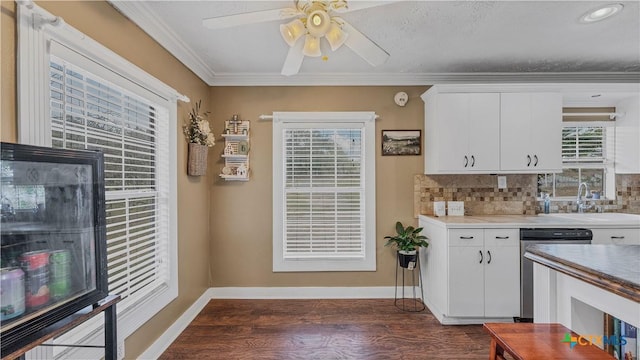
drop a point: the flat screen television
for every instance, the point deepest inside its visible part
(53, 238)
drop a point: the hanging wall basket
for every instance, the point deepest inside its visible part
(197, 159)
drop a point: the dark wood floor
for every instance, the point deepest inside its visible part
(323, 329)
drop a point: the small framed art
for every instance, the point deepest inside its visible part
(401, 142)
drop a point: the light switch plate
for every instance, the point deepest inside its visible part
(502, 182)
(455, 208)
(439, 208)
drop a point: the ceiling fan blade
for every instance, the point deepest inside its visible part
(293, 62)
(365, 47)
(228, 21)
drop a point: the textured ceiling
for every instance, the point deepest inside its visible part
(420, 36)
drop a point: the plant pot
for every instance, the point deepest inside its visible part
(408, 259)
(197, 164)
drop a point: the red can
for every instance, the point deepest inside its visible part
(36, 267)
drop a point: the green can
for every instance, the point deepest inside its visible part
(60, 274)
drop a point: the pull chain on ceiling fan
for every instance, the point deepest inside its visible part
(314, 20)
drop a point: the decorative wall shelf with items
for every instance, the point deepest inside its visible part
(236, 149)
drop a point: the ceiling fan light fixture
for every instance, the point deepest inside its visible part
(601, 13)
(292, 31)
(318, 23)
(311, 46)
(336, 37)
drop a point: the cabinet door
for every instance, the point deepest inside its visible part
(616, 236)
(546, 131)
(453, 131)
(530, 132)
(502, 273)
(484, 132)
(466, 272)
(466, 285)
(467, 130)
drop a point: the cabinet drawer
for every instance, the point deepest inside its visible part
(502, 237)
(466, 237)
(616, 236)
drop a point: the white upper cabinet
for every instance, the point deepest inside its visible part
(531, 132)
(462, 132)
(627, 151)
(487, 132)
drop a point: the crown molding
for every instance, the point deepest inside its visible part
(407, 79)
(143, 16)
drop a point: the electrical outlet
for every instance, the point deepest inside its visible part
(120, 350)
(502, 182)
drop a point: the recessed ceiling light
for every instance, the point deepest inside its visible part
(601, 13)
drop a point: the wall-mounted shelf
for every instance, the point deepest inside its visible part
(236, 150)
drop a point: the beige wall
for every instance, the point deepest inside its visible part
(105, 25)
(241, 212)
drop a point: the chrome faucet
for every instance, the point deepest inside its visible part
(581, 203)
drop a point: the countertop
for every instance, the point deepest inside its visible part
(589, 220)
(615, 268)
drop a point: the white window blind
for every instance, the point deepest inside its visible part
(88, 112)
(583, 144)
(324, 192)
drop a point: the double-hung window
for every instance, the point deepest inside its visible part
(587, 148)
(76, 94)
(324, 191)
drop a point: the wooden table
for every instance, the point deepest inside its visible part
(528, 341)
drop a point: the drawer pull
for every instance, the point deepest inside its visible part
(502, 237)
(617, 237)
(480, 252)
(466, 161)
(489, 254)
(466, 237)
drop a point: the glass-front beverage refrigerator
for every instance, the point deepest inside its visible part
(53, 245)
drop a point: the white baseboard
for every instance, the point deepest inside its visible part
(372, 292)
(169, 336)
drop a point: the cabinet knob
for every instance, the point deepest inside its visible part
(473, 161)
(466, 161)
(466, 237)
(489, 254)
(535, 157)
(617, 237)
(481, 257)
(502, 237)
(528, 160)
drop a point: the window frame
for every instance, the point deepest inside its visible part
(607, 164)
(282, 121)
(36, 33)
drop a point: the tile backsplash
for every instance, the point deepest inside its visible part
(481, 195)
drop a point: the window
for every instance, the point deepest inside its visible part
(585, 159)
(324, 191)
(94, 99)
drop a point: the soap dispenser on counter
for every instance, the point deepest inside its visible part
(547, 203)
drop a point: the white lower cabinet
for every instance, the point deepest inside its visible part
(470, 275)
(484, 273)
(616, 236)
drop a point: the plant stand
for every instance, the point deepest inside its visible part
(405, 277)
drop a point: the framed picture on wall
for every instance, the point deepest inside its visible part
(401, 142)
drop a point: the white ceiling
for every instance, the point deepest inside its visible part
(428, 41)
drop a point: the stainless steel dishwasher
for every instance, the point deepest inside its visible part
(542, 236)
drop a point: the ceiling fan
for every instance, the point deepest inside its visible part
(313, 20)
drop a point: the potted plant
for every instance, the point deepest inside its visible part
(407, 241)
